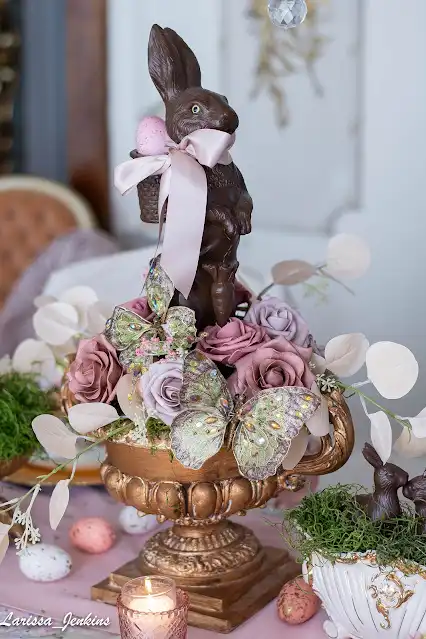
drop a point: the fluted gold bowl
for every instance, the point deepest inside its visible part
(226, 571)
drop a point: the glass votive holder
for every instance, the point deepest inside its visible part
(152, 608)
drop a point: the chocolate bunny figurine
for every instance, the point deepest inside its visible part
(176, 74)
(388, 478)
(415, 491)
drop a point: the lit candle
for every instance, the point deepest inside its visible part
(150, 605)
(148, 601)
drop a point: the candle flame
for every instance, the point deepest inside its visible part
(148, 585)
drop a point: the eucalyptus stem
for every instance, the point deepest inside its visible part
(324, 273)
(112, 433)
(265, 290)
(43, 478)
(388, 412)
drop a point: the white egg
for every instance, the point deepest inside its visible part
(134, 524)
(45, 562)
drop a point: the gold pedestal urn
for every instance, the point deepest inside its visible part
(227, 573)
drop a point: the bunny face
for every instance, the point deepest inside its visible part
(391, 476)
(197, 108)
(175, 71)
(415, 490)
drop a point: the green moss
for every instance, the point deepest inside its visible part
(156, 429)
(334, 523)
(108, 431)
(21, 400)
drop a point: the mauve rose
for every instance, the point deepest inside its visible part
(227, 344)
(140, 307)
(160, 388)
(279, 320)
(94, 374)
(277, 363)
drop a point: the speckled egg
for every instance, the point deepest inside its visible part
(151, 136)
(93, 535)
(134, 523)
(45, 562)
(297, 602)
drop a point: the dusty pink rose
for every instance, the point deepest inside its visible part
(280, 320)
(272, 365)
(229, 343)
(160, 388)
(140, 307)
(94, 374)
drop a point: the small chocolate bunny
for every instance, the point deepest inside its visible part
(388, 478)
(415, 490)
(176, 74)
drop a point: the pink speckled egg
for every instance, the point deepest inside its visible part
(151, 136)
(93, 535)
(297, 602)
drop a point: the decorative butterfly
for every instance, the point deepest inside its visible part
(263, 427)
(159, 288)
(128, 333)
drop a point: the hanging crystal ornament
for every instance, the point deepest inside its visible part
(287, 13)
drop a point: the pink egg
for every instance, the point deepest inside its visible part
(151, 136)
(92, 534)
(297, 602)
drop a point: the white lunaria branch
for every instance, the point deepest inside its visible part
(392, 369)
(86, 418)
(55, 437)
(348, 257)
(345, 354)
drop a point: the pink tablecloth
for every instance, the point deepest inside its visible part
(73, 593)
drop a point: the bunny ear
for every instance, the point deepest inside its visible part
(164, 63)
(188, 59)
(370, 454)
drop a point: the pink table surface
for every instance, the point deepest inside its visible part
(73, 593)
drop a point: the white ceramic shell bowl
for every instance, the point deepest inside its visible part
(364, 601)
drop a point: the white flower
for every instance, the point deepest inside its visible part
(327, 384)
(76, 313)
(36, 357)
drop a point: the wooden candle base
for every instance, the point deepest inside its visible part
(219, 607)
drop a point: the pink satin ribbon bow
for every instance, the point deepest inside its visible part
(184, 183)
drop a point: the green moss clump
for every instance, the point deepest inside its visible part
(156, 429)
(108, 432)
(21, 400)
(331, 522)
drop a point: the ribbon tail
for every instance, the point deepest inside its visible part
(130, 173)
(186, 213)
(165, 183)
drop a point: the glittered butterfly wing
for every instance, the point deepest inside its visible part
(267, 425)
(125, 330)
(198, 432)
(180, 327)
(159, 288)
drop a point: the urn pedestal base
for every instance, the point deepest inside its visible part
(227, 574)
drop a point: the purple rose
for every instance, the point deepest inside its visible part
(275, 364)
(160, 388)
(94, 374)
(279, 320)
(139, 306)
(227, 344)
